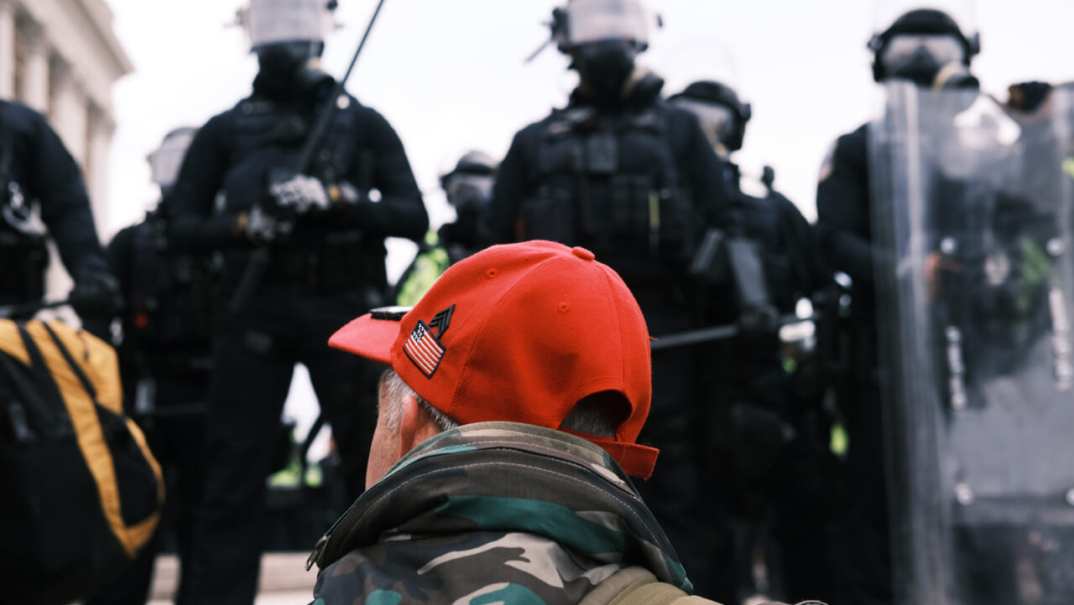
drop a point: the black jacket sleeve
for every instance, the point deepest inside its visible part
(400, 211)
(54, 178)
(201, 178)
(510, 190)
(844, 226)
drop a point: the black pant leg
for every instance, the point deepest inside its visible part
(692, 512)
(864, 549)
(253, 365)
(345, 385)
(184, 430)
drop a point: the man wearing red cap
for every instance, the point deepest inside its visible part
(506, 432)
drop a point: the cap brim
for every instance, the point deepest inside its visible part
(367, 337)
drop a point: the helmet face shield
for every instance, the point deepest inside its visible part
(165, 162)
(469, 189)
(901, 50)
(275, 21)
(590, 21)
(717, 121)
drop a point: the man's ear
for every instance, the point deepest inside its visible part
(415, 426)
(410, 425)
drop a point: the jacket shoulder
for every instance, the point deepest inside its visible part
(853, 144)
(20, 113)
(21, 118)
(638, 586)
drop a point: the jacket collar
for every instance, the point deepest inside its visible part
(513, 478)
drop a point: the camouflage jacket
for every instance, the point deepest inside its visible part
(493, 513)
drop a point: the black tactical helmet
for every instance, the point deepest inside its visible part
(922, 21)
(712, 92)
(472, 162)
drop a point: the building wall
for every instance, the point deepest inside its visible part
(61, 57)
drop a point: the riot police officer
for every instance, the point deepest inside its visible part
(323, 233)
(468, 188)
(925, 47)
(166, 358)
(772, 445)
(39, 176)
(633, 179)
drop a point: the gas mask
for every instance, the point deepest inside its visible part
(920, 58)
(469, 194)
(605, 67)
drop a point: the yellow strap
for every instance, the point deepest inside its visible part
(98, 361)
(11, 343)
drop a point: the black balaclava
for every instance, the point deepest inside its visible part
(605, 67)
(286, 70)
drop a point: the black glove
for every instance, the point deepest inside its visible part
(96, 295)
(1027, 97)
(260, 227)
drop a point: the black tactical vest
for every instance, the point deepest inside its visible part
(270, 136)
(320, 254)
(170, 300)
(610, 183)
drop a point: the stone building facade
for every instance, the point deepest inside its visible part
(62, 57)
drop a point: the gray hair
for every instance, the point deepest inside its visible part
(395, 391)
(598, 415)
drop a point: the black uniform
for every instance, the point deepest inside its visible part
(328, 271)
(36, 167)
(844, 230)
(166, 361)
(769, 438)
(636, 183)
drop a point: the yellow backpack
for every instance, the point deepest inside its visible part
(80, 492)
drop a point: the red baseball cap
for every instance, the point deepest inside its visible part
(520, 333)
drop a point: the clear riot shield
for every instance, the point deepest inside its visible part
(972, 231)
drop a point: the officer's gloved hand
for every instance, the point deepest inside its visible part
(759, 320)
(298, 193)
(260, 227)
(96, 295)
(1027, 97)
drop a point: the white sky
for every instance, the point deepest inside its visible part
(449, 75)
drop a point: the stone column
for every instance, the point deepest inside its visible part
(96, 168)
(34, 89)
(7, 49)
(68, 111)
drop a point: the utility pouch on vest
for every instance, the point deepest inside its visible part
(738, 262)
(602, 154)
(748, 273)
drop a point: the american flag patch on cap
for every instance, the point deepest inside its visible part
(424, 349)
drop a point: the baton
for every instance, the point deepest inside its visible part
(713, 334)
